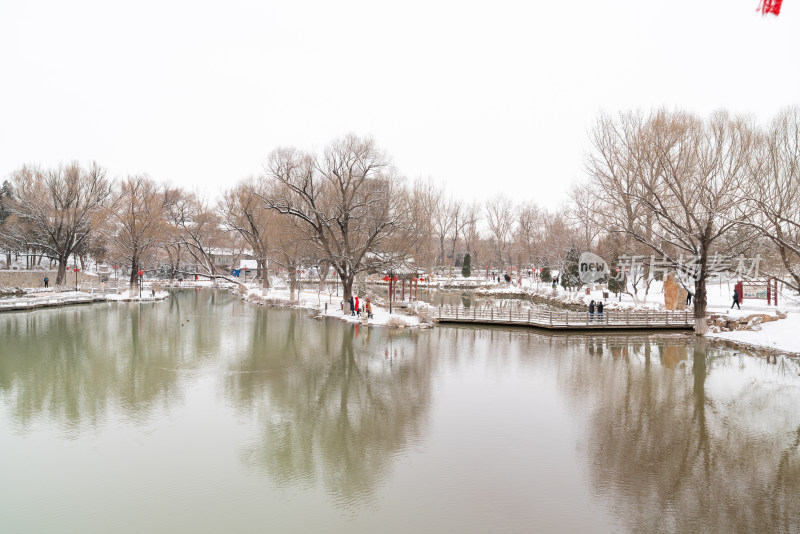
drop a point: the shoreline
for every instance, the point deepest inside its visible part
(40, 299)
(771, 340)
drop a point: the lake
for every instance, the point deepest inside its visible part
(205, 413)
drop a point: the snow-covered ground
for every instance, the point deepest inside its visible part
(40, 298)
(777, 335)
(310, 299)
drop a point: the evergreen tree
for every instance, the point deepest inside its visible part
(571, 279)
(546, 275)
(614, 285)
(5, 196)
(466, 267)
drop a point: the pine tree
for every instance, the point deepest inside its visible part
(571, 277)
(466, 268)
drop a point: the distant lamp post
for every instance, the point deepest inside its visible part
(76, 277)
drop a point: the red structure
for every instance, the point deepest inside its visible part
(758, 290)
(771, 7)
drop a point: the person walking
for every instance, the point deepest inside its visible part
(368, 308)
(358, 307)
(736, 299)
(689, 296)
(591, 311)
(46, 281)
(600, 311)
(352, 306)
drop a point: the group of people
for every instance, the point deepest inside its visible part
(355, 307)
(596, 306)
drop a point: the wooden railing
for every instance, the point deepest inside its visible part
(568, 319)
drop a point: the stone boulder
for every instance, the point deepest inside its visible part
(674, 294)
(754, 323)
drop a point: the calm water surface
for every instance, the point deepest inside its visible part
(207, 414)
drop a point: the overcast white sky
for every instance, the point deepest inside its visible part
(478, 96)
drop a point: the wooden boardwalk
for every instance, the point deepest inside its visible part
(569, 320)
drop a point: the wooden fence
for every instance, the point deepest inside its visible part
(565, 319)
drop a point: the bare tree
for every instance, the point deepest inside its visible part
(138, 221)
(500, 217)
(458, 216)
(442, 224)
(244, 212)
(196, 229)
(529, 235)
(687, 179)
(472, 220)
(59, 208)
(346, 200)
(420, 206)
(776, 201)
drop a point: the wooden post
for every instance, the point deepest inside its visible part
(456, 313)
(567, 317)
(491, 318)
(529, 316)
(628, 317)
(551, 317)
(473, 313)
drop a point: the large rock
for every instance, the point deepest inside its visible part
(674, 294)
(754, 323)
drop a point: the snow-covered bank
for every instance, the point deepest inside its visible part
(45, 299)
(778, 335)
(329, 306)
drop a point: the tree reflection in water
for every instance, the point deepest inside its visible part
(75, 365)
(691, 436)
(335, 408)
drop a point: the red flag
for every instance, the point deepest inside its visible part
(770, 6)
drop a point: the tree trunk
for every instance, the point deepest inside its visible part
(62, 271)
(292, 281)
(347, 292)
(700, 297)
(263, 266)
(133, 281)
